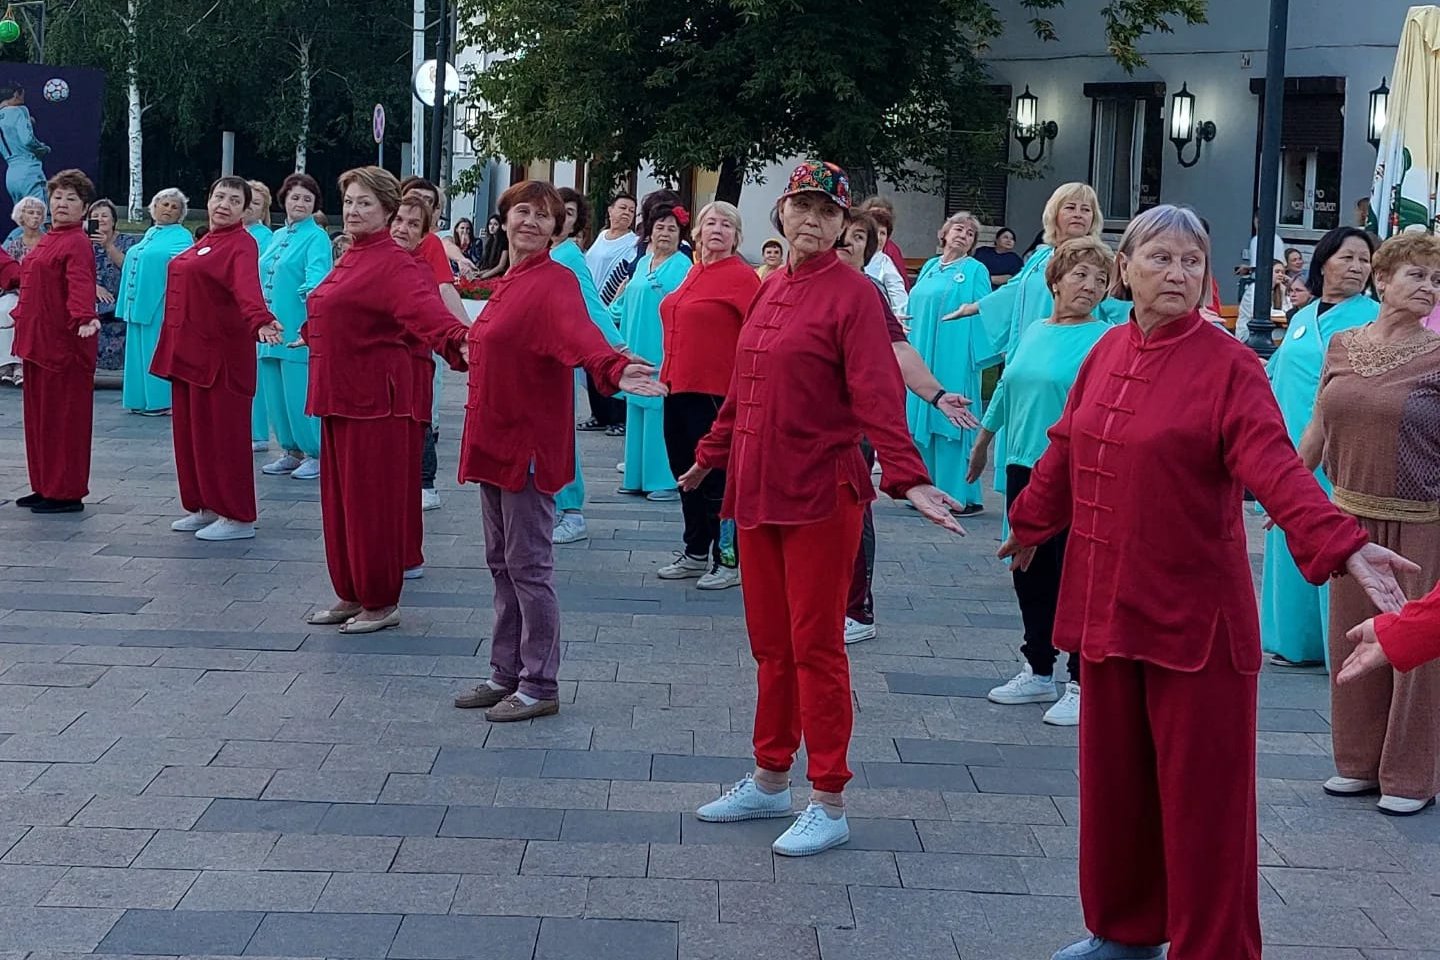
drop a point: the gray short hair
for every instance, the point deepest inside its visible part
(962, 216)
(724, 209)
(171, 193)
(24, 202)
(1155, 223)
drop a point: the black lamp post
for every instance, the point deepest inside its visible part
(1262, 328)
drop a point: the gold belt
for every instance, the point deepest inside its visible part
(1386, 508)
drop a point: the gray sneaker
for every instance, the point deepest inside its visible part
(1097, 949)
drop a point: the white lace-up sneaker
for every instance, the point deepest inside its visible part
(684, 567)
(226, 529)
(1096, 949)
(198, 520)
(856, 632)
(309, 469)
(720, 577)
(278, 468)
(814, 831)
(429, 498)
(1065, 713)
(570, 528)
(415, 573)
(746, 801)
(1025, 688)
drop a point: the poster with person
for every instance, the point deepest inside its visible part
(49, 121)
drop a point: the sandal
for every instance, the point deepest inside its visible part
(355, 625)
(615, 430)
(589, 426)
(328, 618)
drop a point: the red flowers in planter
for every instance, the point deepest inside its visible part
(473, 289)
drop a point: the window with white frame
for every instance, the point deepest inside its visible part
(1126, 147)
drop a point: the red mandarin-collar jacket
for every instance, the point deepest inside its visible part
(1147, 467)
(213, 311)
(363, 326)
(814, 370)
(524, 348)
(701, 323)
(9, 272)
(1412, 636)
(57, 298)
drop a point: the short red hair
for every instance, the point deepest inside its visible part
(536, 192)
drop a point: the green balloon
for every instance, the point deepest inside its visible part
(9, 31)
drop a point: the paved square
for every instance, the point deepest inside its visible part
(186, 768)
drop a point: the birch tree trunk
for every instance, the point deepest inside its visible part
(135, 205)
(302, 141)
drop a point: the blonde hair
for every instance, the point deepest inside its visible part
(1422, 249)
(379, 181)
(1065, 193)
(171, 193)
(24, 202)
(259, 188)
(728, 211)
(958, 218)
(1072, 253)
(1153, 224)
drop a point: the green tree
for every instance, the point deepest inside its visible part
(888, 89)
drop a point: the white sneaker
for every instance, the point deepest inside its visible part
(620, 467)
(720, 577)
(256, 446)
(685, 567)
(856, 632)
(309, 469)
(814, 831)
(278, 468)
(198, 520)
(429, 499)
(1066, 713)
(1350, 787)
(415, 573)
(746, 801)
(570, 529)
(227, 529)
(1402, 806)
(1025, 688)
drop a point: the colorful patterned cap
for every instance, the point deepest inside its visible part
(817, 176)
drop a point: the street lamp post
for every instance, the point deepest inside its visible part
(1262, 329)
(437, 118)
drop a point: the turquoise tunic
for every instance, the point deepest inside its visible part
(568, 254)
(259, 416)
(1024, 299)
(21, 151)
(647, 466)
(1294, 613)
(955, 351)
(141, 304)
(293, 263)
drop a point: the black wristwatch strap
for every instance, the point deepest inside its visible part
(935, 400)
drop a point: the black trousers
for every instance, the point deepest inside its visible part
(429, 463)
(860, 604)
(688, 417)
(1038, 591)
(607, 411)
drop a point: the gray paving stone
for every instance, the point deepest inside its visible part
(177, 932)
(145, 813)
(236, 782)
(459, 855)
(614, 826)
(297, 851)
(326, 786)
(388, 893)
(635, 898)
(596, 765)
(507, 896)
(79, 846)
(265, 891)
(119, 888)
(555, 793)
(173, 850)
(1010, 840)
(516, 823)
(711, 862)
(924, 776)
(382, 758)
(469, 762)
(900, 912)
(563, 859)
(692, 769)
(382, 820)
(564, 939)
(167, 751)
(61, 748)
(25, 886)
(743, 941)
(1013, 780)
(262, 816)
(871, 868)
(864, 944)
(947, 751)
(35, 809)
(444, 791)
(456, 938)
(349, 935)
(810, 904)
(272, 755)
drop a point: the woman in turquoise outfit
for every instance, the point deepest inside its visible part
(1072, 211)
(570, 501)
(292, 264)
(1294, 614)
(659, 272)
(141, 301)
(19, 148)
(257, 224)
(955, 352)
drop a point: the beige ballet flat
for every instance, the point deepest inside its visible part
(328, 618)
(356, 625)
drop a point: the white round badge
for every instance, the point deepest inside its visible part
(202, 251)
(1299, 332)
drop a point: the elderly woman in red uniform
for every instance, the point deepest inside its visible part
(519, 443)
(813, 370)
(214, 314)
(376, 309)
(1169, 421)
(1403, 641)
(55, 327)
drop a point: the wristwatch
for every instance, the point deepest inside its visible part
(935, 400)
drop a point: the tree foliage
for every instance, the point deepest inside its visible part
(886, 88)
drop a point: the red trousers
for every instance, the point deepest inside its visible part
(414, 518)
(795, 590)
(213, 459)
(59, 416)
(1167, 808)
(366, 479)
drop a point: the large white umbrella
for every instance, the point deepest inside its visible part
(1408, 161)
